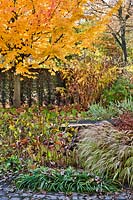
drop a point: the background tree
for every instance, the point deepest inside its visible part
(120, 25)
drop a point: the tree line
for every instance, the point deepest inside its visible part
(41, 91)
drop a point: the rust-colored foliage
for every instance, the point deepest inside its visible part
(124, 122)
(85, 81)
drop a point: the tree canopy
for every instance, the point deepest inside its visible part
(35, 33)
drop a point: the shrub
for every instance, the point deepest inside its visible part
(86, 80)
(109, 152)
(120, 90)
(68, 180)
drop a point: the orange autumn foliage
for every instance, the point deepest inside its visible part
(33, 32)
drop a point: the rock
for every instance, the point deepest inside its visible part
(4, 198)
(39, 196)
(122, 198)
(2, 193)
(27, 194)
(108, 198)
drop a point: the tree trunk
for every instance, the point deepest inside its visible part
(4, 91)
(16, 96)
(122, 22)
(11, 88)
(29, 90)
(123, 45)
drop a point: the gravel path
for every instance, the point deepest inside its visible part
(8, 191)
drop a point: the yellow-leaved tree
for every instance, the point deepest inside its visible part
(33, 33)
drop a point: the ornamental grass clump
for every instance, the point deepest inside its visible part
(64, 180)
(107, 151)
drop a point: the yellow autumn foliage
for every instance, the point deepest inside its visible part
(86, 81)
(42, 30)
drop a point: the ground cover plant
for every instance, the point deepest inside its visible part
(64, 180)
(11, 164)
(37, 136)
